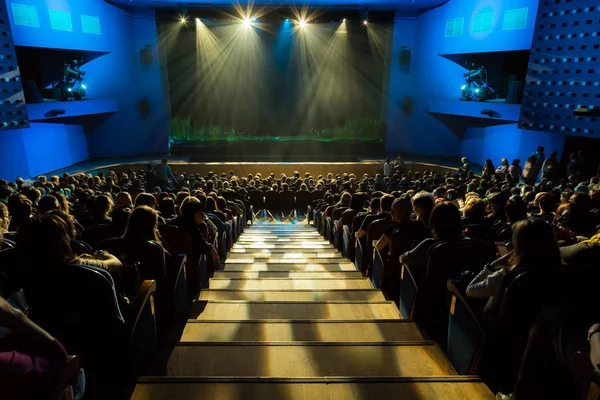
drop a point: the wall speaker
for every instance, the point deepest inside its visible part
(405, 55)
(146, 57)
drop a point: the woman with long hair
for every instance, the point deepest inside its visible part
(142, 225)
(534, 247)
(488, 169)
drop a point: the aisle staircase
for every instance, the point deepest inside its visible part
(290, 318)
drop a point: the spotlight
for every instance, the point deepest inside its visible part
(344, 20)
(255, 19)
(302, 23)
(476, 90)
(183, 19)
(69, 90)
(365, 22)
(247, 22)
(463, 87)
(83, 86)
(287, 20)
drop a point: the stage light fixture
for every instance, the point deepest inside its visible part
(183, 19)
(477, 90)
(247, 22)
(287, 20)
(69, 90)
(255, 19)
(365, 22)
(302, 23)
(463, 87)
(344, 20)
(83, 86)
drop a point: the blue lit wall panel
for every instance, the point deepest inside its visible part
(564, 72)
(507, 141)
(35, 150)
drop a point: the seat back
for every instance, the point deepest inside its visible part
(97, 233)
(272, 201)
(7, 244)
(76, 304)
(408, 293)
(375, 231)
(63, 390)
(466, 331)
(303, 200)
(447, 261)
(257, 199)
(178, 242)
(401, 241)
(480, 232)
(379, 260)
(329, 226)
(337, 213)
(348, 243)
(358, 253)
(149, 254)
(80, 247)
(11, 274)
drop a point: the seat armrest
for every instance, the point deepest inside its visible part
(144, 295)
(477, 315)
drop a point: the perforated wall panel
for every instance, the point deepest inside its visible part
(13, 113)
(564, 68)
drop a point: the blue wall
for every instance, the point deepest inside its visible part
(118, 75)
(433, 77)
(508, 141)
(40, 149)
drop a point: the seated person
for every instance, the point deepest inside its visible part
(33, 370)
(385, 213)
(534, 247)
(446, 226)
(401, 211)
(101, 208)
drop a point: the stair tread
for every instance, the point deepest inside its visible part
(302, 331)
(409, 390)
(277, 266)
(288, 274)
(290, 284)
(412, 359)
(295, 295)
(214, 310)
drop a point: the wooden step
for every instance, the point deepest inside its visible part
(282, 260)
(283, 246)
(444, 388)
(288, 274)
(243, 310)
(410, 359)
(290, 284)
(259, 254)
(302, 331)
(263, 266)
(292, 295)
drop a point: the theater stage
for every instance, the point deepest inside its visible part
(181, 164)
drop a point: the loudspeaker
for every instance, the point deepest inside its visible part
(146, 57)
(515, 92)
(404, 56)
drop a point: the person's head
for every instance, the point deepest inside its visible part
(102, 206)
(45, 240)
(402, 208)
(488, 163)
(4, 218)
(48, 203)
(534, 244)
(532, 159)
(516, 209)
(548, 202)
(191, 212)
(67, 219)
(504, 162)
(445, 221)
(120, 217)
(143, 224)
(357, 202)
(497, 202)
(387, 160)
(423, 203)
(540, 149)
(386, 203)
(345, 199)
(164, 161)
(474, 208)
(145, 199)
(19, 208)
(463, 160)
(166, 206)
(62, 201)
(516, 162)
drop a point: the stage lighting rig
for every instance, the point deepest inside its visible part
(71, 84)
